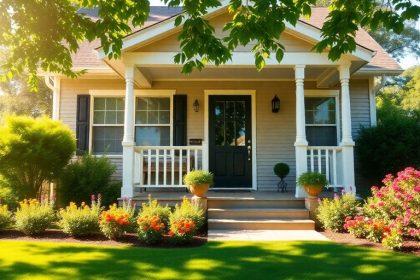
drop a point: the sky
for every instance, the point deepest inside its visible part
(405, 63)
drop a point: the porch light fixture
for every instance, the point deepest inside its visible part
(275, 104)
(196, 105)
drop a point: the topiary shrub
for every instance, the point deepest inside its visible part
(281, 170)
(332, 213)
(33, 151)
(34, 217)
(87, 175)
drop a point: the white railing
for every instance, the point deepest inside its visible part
(326, 160)
(165, 166)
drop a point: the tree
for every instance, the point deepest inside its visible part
(47, 42)
(33, 151)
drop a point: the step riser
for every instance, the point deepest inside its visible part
(258, 215)
(261, 226)
(243, 204)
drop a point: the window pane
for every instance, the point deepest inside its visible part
(164, 104)
(141, 104)
(153, 117)
(152, 103)
(153, 136)
(108, 111)
(153, 110)
(321, 135)
(111, 117)
(111, 104)
(107, 140)
(120, 117)
(320, 110)
(120, 104)
(99, 117)
(99, 104)
(164, 117)
(141, 117)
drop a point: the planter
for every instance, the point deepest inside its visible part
(199, 190)
(313, 190)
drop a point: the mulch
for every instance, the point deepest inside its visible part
(410, 246)
(129, 239)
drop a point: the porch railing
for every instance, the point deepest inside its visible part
(165, 166)
(326, 160)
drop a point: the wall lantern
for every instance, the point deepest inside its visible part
(275, 104)
(196, 105)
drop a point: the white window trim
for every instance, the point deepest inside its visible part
(327, 93)
(121, 93)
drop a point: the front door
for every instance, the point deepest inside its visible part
(230, 146)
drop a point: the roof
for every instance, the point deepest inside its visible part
(86, 57)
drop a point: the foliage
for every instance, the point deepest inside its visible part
(312, 179)
(333, 212)
(356, 226)
(393, 239)
(185, 221)
(33, 151)
(375, 230)
(82, 220)
(281, 169)
(5, 217)
(150, 229)
(87, 175)
(388, 147)
(198, 177)
(35, 42)
(398, 201)
(116, 221)
(7, 193)
(34, 217)
(153, 208)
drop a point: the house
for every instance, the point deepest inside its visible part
(155, 123)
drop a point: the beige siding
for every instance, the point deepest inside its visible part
(171, 43)
(275, 132)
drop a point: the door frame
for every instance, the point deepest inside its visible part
(250, 92)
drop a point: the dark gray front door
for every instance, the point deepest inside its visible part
(230, 146)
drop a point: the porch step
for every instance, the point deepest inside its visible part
(261, 203)
(261, 224)
(258, 213)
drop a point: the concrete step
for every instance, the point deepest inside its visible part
(239, 203)
(261, 224)
(258, 213)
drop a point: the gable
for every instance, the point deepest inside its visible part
(171, 43)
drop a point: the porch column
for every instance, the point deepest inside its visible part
(347, 142)
(128, 140)
(301, 143)
(56, 98)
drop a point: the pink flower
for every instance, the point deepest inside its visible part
(417, 188)
(380, 204)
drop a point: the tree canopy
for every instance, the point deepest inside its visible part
(42, 34)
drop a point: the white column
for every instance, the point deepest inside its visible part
(56, 98)
(128, 140)
(300, 144)
(347, 142)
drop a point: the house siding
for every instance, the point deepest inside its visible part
(275, 132)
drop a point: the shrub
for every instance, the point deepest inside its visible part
(333, 212)
(398, 201)
(150, 229)
(116, 221)
(312, 179)
(281, 169)
(5, 217)
(393, 238)
(185, 221)
(34, 217)
(153, 208)
(375, 230)
(79, 221)
(198, 177)
(356, 227)
(87, 175)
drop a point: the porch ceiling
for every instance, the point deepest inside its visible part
(313, 73)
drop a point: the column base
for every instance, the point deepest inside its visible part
(201, 202)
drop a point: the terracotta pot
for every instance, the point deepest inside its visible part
(313, 190)
(199, 190)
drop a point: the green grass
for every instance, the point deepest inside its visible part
(215, 260)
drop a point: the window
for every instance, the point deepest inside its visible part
(108, 125)
(153, 121)
(321, 121)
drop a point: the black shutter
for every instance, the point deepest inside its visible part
(82, 124)
(180, 120)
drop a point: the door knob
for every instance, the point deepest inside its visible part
(249, 153)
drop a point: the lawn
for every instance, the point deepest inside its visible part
(215, 260)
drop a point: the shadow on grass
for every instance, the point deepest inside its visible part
(215, 260)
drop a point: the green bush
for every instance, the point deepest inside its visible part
(332, 213)
(312, 179)
(79, 221)
(153, 208)
(34, 217)
(185, 221)
(117, 220)
(388, 148)
(5, 217)
(150, 229)
(86, 176)
(281, 169)
(8, 193)
(198, 177)
(33, 151)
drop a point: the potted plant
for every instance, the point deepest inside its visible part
(312, 182)
(281, 169)
(198, 182)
